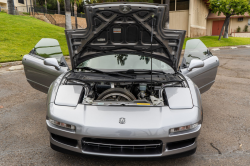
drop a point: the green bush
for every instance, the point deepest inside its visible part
(246, 28)
(3, 11)
(26, 13)
(238, 29)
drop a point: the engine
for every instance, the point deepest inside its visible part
(127, 93)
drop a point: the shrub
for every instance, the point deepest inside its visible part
(26, 13)
(238, 29)
(3, 11)
(246, 28)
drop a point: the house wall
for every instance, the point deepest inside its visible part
(198, 15)
(210, 26)
(178, 20)
(233, 25)
(3, 4)
(243, 34)
(20, 7)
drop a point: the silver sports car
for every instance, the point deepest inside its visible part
(127, 94)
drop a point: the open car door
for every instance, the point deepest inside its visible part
(39, 75)
(203, 77)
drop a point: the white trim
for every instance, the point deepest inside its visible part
(178, 11)
(196, 26)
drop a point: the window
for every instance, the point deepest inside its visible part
(21, 1)
(240, 19)
(195, 49)
(49, 48)
(182, 5)
(179, 5)
(158, 1)
(172, 5)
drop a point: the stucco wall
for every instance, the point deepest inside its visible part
(178, 20)
(3, 4)
(210, 26)
(241, 35)
(20, 7)
(198, 23)
(233, 25)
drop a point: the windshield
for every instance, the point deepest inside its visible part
(120, 62)
(195, 49)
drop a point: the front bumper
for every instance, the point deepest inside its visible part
(142, 123)
(165, 151)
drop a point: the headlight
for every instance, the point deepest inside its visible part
(183, 128)
(64, 125)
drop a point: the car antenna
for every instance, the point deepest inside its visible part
(152, 53)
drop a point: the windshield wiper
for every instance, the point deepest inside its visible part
(108, 73)
(144, 71)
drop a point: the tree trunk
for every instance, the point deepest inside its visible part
(27, 6)
(34, 10)
(167, 14)
(30, 7)
(45, 6)
(75, 13)
(222, 29)
(226, 27)
(58, 6)
(72, 9)
(10, 7)
(67, 14)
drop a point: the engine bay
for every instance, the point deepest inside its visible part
(122, 92)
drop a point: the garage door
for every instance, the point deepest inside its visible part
(217, 25)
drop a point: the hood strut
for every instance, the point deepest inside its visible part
(152, 53)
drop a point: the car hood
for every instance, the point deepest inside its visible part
(114, 28)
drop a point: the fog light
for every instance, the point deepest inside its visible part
(183, 128)
(61, 124)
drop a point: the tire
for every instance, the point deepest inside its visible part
(117, 90)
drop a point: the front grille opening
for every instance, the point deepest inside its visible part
(130, 147)
(64, 140)
(180, 144)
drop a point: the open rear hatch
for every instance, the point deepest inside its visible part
(121, 28)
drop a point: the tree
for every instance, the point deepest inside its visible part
(10, 6)
(167, 14)
(67, 14)
(76, 3)
(229, 8)
(58, 6)
(75, 13)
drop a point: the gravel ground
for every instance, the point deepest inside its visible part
(24, 139)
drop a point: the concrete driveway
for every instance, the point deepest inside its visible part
(24, 139)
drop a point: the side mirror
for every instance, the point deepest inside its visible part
(52, 62)
(195, 63)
